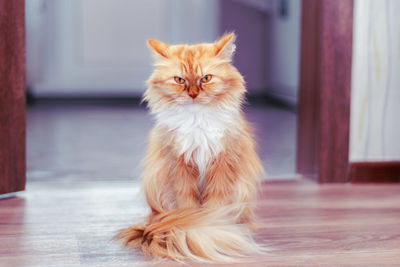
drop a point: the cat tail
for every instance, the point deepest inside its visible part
(196, 234)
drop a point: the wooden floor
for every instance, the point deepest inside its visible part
(102, 142)
(83, 187)
(71, 223)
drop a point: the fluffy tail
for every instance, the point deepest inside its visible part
(196, 234)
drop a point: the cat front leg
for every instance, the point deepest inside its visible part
(221, 179)
(233, 179)
(184, 178)
(227, 185)
(156, 181)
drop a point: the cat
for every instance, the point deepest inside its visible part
(201, 170)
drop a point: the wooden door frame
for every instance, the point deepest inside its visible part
(12, 96)
(325, 87)
(324, 95)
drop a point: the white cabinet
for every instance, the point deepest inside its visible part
(98, 47)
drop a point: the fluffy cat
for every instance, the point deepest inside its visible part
(201, 171)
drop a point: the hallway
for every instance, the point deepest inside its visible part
(107, 141)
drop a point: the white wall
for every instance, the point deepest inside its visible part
(375, 108)
(98, 47)
(268, 45)
(283, 53)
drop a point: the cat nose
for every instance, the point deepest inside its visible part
(193, 95)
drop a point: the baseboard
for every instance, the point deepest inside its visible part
(252, 99)
(271, 100)
(85, 101)
(286, 99)
(374, 172)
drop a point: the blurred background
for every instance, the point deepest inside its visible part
(87, 63)
(86, 66)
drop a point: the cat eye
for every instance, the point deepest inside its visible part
(206, 78)
(179, 80)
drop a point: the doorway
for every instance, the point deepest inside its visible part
(71, 63)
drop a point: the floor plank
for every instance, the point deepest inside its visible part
(303, 224)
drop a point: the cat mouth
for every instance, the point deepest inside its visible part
(193, 102)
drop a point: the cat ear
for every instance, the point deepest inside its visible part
(159, 47)
(225, 46)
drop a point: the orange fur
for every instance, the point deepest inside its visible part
(202, 198)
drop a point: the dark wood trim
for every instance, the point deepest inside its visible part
(308, 107)
(325, 84)
(374, 172)
(12, 96)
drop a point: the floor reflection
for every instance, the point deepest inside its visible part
(108, 142)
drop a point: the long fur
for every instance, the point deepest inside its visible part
(196, 234)
(201, 171)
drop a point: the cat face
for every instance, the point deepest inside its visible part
(201, 74)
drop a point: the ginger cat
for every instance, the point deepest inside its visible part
(201, 171)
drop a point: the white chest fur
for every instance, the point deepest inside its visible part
(198, 131)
